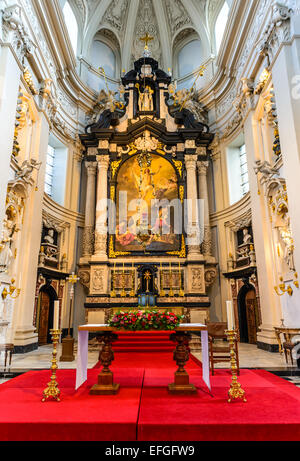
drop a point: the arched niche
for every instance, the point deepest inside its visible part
(161, 219)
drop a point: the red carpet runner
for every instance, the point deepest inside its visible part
(144, 410)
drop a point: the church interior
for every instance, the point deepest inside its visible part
(150, 159)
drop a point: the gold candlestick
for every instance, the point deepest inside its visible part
(181, 291)
(132, 293)
(113, 292)
(235, 392)
(171, 292)
(52, 389)
(123, 292)
(162, 293)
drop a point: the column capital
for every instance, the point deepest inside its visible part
(103, 161)
(91, 168)
(191, 162)
(202, 167)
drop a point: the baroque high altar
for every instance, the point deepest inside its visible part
(146, 145)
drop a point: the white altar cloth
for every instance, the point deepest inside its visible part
(82, 354)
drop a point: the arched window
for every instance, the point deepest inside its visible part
(189, 58)
(103, 56)
(56, 170)
(237, 167)
(71, 24)
(221, 25)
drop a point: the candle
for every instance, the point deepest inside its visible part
(56, 316)
(230, 315)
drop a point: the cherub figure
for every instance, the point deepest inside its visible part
(27, 169)
(265, 169)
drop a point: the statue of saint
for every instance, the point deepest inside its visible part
(49, 238)
(247, 237)
(6, 254)
(146, 99)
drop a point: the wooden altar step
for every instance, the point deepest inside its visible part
(144, 341)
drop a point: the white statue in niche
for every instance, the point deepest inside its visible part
(6, 254)
(247, 237)
(49, 238)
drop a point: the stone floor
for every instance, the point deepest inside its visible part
(250, 357)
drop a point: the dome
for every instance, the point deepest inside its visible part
(110, 31)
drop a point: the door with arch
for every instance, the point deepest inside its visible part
(45, 314)
(251, 310)
(248, 314)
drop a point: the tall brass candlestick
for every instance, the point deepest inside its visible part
(235, 392)
(113, 292)
(162, 293)
(181, 291)
(123, 292)
(132, 293)
(52, 390)
(171, 292)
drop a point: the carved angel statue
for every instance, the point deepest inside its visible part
(187, 99)
(106, 100)
(27, 169)
(265, 169)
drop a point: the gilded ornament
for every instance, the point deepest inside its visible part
(178, 165)
(112, 252)
(182, 252)
(114, 167)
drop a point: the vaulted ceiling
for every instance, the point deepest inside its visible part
(128, 20)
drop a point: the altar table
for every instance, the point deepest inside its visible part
(107, 335)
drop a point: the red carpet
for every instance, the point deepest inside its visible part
(144, 341)
(144, 410)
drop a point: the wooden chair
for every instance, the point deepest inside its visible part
(8, 352)
(219, 349)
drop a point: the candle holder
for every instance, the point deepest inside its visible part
(162, 292)
(52, 390)
(235, 392)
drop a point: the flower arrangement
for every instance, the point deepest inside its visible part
(145, 320)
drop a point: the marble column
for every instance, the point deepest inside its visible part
(101, 208)
(286, 80)
(262, 232)
(25, 337)
(203, 195)
(88, 235)
(192, 226)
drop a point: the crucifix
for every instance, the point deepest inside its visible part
(147, 39)
(147, 277)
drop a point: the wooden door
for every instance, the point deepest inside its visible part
(44, 318)
(251, 308)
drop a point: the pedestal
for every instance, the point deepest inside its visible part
(106, 385)
(67, 350)
(181, 383)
